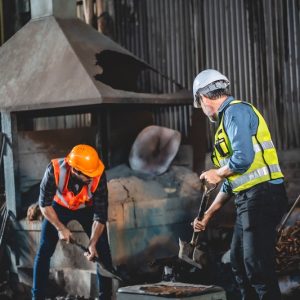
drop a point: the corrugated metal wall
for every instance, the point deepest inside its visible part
(256, 43)
(160, 32)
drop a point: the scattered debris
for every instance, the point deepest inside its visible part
(288, 249)
(34, 212)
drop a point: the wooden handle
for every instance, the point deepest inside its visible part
(204, 200)
(194, 239)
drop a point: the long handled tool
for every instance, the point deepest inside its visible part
(189, 251)
(282, 223)
(102, 270)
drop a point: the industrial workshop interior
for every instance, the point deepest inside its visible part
(150, 149)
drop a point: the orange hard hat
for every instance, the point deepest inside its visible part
(85, 159)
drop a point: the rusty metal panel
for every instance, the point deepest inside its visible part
(62, 122)
(171, 290)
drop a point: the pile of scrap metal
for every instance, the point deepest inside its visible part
(288, 249)
(288, 254)
(288, 244)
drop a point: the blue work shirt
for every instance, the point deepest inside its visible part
(240, 123)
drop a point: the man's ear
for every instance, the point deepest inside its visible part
(204, 99)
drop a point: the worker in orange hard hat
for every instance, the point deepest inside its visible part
(73, 188)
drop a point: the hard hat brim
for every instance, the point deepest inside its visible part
(92, 173)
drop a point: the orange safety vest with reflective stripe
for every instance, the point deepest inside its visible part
(64, 196)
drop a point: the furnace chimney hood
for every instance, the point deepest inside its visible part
(56, 60)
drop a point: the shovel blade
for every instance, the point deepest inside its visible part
(186, 253)
(185, 249)
(199, 257)
(101, 269)
(104, 272)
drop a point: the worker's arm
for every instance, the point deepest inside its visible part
(97, 230)
(215, 176)
(47, 192)
(63, 232)
(219, 201)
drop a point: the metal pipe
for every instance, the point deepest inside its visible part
(1, 23)
(3, 140)
(3, 225)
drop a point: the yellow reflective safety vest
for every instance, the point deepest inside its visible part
(265, 165)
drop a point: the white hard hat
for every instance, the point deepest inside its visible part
(208, 80)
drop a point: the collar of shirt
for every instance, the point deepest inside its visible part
(223, 106)
(75, 184)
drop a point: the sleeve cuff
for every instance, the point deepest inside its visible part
(100, 220)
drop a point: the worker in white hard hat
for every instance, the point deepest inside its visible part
(246, 159)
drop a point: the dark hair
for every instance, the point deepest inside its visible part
(214, 95)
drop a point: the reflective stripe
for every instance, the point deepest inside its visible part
(254, 175)
(61, 198)
(63, 173)
(62, 178)
(66, 204)
(90, 195)
(264, 145)
(256, 148)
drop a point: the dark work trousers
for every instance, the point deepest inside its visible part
(259, 210)
(49, 239)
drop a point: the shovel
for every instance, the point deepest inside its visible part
(189, 251)
(102, 270)
(283, 222)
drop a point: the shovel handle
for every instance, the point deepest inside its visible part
(102, 269)
(205, 198)
(194, 240)
(202, 208)
(83, 248)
